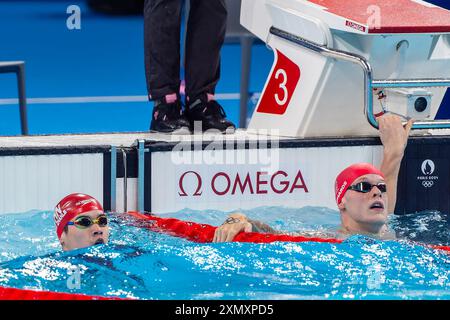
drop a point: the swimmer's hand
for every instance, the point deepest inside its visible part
(233, 225)
(393, 135)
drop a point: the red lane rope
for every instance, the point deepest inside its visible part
(21, 294)
(445, 248)
(204, 233)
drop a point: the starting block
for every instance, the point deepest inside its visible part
(338, 64)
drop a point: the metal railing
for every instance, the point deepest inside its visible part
(369, 82)
(18, 67)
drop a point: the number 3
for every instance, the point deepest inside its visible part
(282, 86)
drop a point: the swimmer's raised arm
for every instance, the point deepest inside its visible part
(394, 137)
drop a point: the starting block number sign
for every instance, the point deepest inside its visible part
(281, 86)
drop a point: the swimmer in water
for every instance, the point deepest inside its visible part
(365, 195)
(80, 222)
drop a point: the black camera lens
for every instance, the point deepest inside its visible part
(421, 104)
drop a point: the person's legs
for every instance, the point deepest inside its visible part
(162, 64)
(205, 36)
(162, 47)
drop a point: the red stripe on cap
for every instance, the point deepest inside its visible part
(349, 175)
(71, 206)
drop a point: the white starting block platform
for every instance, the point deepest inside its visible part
(160, 173)
(337, 64)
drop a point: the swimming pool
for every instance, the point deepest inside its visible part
(141, 264)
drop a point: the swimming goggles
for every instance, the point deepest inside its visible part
(83, 222)
(365, 187)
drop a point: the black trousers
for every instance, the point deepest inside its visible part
(206, 29)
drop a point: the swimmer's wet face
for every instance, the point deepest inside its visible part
(81, 235)
(365, 211)
(80, 222)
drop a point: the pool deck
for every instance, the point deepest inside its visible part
(129, 139)
(117, 139)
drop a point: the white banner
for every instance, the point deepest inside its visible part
(39, 182)
(295, 177)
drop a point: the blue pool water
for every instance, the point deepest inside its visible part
(138, 263)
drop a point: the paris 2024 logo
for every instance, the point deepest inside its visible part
(428, 179)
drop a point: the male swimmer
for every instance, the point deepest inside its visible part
(80, 222)
(365, 195)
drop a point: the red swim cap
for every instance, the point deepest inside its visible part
(350, 174)
(71, 206)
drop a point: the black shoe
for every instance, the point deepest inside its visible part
(169, 118)
(211, 115)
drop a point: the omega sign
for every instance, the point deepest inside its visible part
(223, 183)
